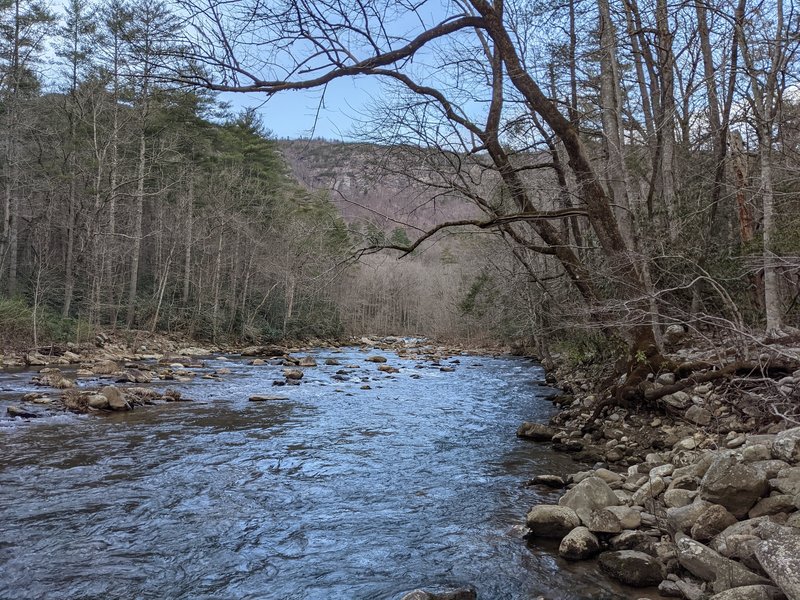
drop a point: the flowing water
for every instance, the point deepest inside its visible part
(333, 492)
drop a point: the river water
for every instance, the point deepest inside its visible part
(333, 492)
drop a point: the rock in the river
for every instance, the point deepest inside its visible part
(579, 544)
(750, 592)
(116, 399)
(97, 401)
(258, 398)
(590, 494)
(786, 445)
(550, 521)
(553, 481)
(600, 521)
(105, 367)
(713, 520)
(734, 485)
(780, 557)
(632, 568)
(457, 594)
(376, 359)
(388, 369)
(536, 432)
(293, 374)
(701, 561)
(16, 411)
(307, 361)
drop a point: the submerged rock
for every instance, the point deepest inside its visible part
(467, 593)
(579, 544)
(536, 432)
(16, 411)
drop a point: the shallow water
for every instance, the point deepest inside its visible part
(334, 492)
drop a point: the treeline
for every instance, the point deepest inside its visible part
(637, 159)
(129, 201)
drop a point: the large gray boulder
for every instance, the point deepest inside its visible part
(712, 521)
(550, 521)
(632, 568)
(590, 494)
(786, 445)
(772, 505)
(579, 544)
(682, 518)
(780, 558)
(734, 485)
(750, 592)
(116, 398)
(723, 573)
(787, 481)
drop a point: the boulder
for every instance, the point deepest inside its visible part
(105, 367)
(388, 369)
(97, 401)
(678, 400)
(536, 432)
(786, 445)
(734, 485)
(649, 491)
(780, 558)
(307, 361)
(698, 415)
(631, 540)
(293, 374)
(750, 592)
(723, 573)
(681, 519)
(552, 481)
(713, 520)
(376, 359)
(628, 518)
(772, 505)
(579, 544)
(551, 521)
(258, 398)
(787, 481)
(453, 594)
(631, 567)
(677, 498)
(116, 399)
(590, 494)
(600, 521)
(16, 411)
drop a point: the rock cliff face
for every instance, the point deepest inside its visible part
(376, 184)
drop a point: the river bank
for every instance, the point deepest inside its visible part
(697, 493)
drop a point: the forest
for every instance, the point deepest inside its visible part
(609, 167)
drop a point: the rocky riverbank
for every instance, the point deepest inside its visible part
(698, 494)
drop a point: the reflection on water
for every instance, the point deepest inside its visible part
(336, 492)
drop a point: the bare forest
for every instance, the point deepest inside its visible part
(530, 171)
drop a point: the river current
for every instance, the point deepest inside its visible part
(333, 492)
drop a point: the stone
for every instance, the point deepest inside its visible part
(307, 361)
(690, 590)
(780, 558)
(579, 544)
(553, 481)
(755, 453)
(258, 362)
(786, 445)
(388, 369)
(685, 444)
(590, 494)
(97, 401)
(666, 378)
(772, 505)
(332, 362)
(116, 399)
(712, 521)
(674, 334)
(734, 485)
(723, 573)
(608, 476)
(536, 432)
(600, 521)
(630, 540)
(750, 592)
(16, 411)
(678, 400)
(105, 367)
(266, 398)
(632, 567)
(787, 481)
(628, 518)
(454, 594)
(682, 518)
(376, 359)
(677, 498)
(698, 415)
(551, 521)
(649, 491)
(293, 374)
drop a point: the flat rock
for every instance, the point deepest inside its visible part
(750, 592)
(723, 573)
(258, 398)
(698, 415)
(600, 521)
(550, 521)
(552, 481)
(16, 411)
(454, 594)
(631, 567)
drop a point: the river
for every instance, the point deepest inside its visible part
(333, 492)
